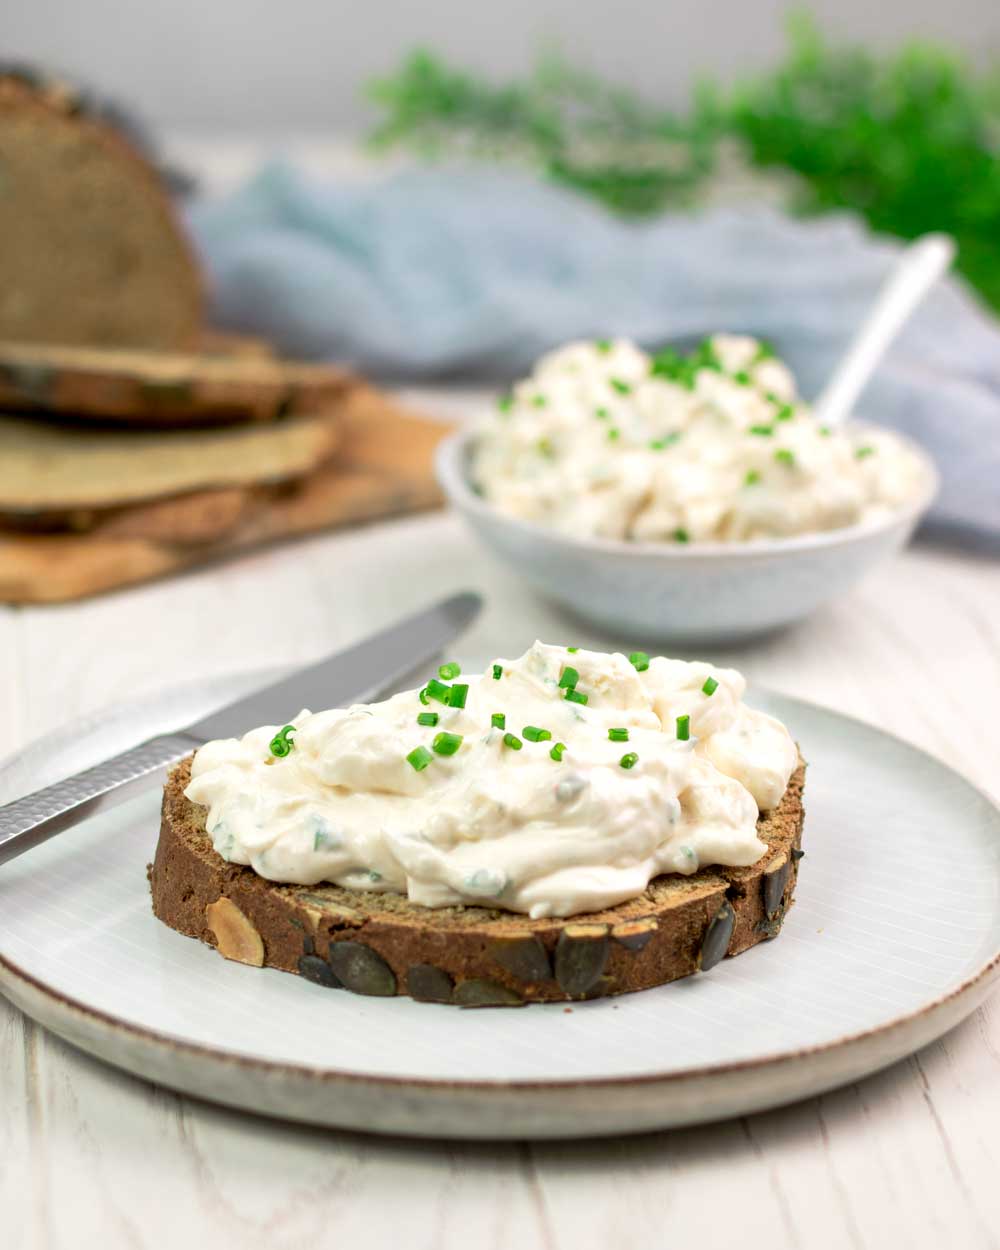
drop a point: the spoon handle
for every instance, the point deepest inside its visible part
(918, 268)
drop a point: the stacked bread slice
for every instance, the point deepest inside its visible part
(133, 442)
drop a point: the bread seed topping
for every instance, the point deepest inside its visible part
(453, 812)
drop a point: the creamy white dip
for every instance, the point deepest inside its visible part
(605, 441)
(501, 822)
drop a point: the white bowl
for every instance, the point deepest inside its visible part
(698, 592)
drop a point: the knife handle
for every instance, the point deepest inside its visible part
(28, 821)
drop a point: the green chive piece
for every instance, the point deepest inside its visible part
(618, 735)
(784, 456)
(539, 401)
(446, 744)
(681, 536)
(764, 431)
(427, 718)
(710, 686)
(825, 431)
(534, 734)
(499, 720)
(436, 690)
(765, 351)
(863, 452)
(457, 695)
(602, 413)
(572, 650)
(419, 758)
(639, 661)
(742, 377)
(629, 760)
(574, 696)
(423, 697)
(281, 744)
(512, 741)
(557, 751)
(683, 728)
(505, 403)
(752, 478)
(614, 435)
(668, 440)
(569, 678)
(785, 413)
(447, 671)
(497, 672)
(603, 346)
(623, 388)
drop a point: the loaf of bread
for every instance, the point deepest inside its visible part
(93, 252)
(381, 944)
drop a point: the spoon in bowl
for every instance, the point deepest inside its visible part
(920, 265)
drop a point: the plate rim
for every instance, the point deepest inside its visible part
(329, 1076)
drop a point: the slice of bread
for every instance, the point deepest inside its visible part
(93, 252)
(164, 388)
(381, 944)
(47, 467)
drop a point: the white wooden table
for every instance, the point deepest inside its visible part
(89, 1157)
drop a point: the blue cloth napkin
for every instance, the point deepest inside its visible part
(460, 273)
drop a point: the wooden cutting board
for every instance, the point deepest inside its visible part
(383, 467)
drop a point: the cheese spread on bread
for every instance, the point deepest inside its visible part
(605, 441)
(558, 783)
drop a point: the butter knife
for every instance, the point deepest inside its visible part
(357, 673)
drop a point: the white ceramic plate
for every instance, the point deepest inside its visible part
(894, 938)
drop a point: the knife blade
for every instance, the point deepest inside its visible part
(352, 675)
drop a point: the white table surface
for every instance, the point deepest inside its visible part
(90, 1157)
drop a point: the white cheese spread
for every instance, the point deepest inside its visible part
(606, 441)
(563, 784)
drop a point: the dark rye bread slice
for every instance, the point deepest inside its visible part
(164, 388)
(381, 944)
(93, 252)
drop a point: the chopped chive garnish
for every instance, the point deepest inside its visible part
(629, 760)
(603, 346)
(752, 478)
(437, 690)
(683, 728)
(447, 671)
(446, 744)
(862, 452)
(499, 720)
(419, 758)
(710, 686)
(572, 650)
(557, 751)
(764, 352)
(623, 388)
(457, 695)
(618, 735)
(742, 377)
(639, 661)
(497, 672)
(539, 401)
(681, 536)
(569, 678)
(668, 440)
(534, 734)
(764, 431)
(423, 697)
(512, 741)
(784, 456)
(784, 413)
(505, 403)
(427, 718)
(574, 696)
(281, 745)
(614, 434)
(602, 413)
(825, 431)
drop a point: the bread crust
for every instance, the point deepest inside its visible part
(473, 956)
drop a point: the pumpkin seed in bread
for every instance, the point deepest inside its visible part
(93, 252)
(163, 387)
(381, 944)
(46, 467)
